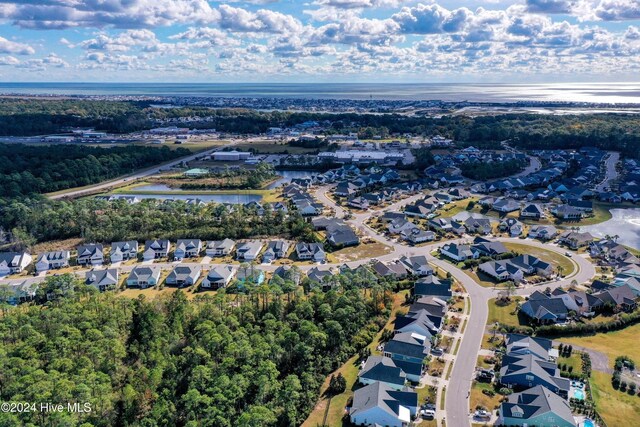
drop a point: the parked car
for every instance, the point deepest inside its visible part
(428, 414)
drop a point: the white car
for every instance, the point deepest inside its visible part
(428, 414)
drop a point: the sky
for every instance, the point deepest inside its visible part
(516, 41)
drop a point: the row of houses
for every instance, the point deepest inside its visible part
(556, 306)
(540, 394)
(386, 398)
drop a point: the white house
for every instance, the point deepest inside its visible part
(52, 260)
(13, 262)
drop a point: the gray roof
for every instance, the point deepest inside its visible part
(53, 256)
(382, 396)
(530, 364)
(381, 368)
(183, 272)
(407, 344)
(99, 278)
(220, 273)
(128, 246)
(144, 272)
(227, 244)
(536, 402)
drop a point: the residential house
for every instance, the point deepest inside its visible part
(525, 371)
(532, 211)
(435, 306)
(417, 265)
(545, 309)
(512, 226)
(122, 251)
(417, 235)
(432, 286)
(400, 225)
(396, 269)
(408, 350)
(488, 248)
(516, 268)
(358, 203)
(458, 252)
(52, 260)
(249, 251)
(90, 254)
(575, 240)
(623, 297)
(218, 248)
(377, 404)
(310, 251)
(567, 212)
(155, 249)
(518, 344)
(187, 248)
(382, 369)
(103, 280)
(276, 249)
(24, 291)
(250, 275)
(143, 276)
(218, 277)
(505, 205)
(542, 232)
(341, 236)
(419, 322)
(317, 275)
(184, 275)
(537, 406)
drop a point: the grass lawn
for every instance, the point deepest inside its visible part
(616, 407)
(350, 371)
(504, 313)
(426, 394)
(478, 398)
(363, 250)
(487, 342)
(553, 258)
(574, 361)
(624, 342)
(458, 206)
(482, 364)
(483, 279)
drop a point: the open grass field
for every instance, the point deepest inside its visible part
(336, 411)
(624, 342)
(554, 258)
(363, 250)
(574, 361)
(615, 407)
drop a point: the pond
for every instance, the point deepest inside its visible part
(624, 223)
(287, 176)
(231, 198)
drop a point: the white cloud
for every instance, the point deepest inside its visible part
(8, 46)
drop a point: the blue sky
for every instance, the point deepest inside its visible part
(320, 40)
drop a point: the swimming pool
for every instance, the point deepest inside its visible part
(588, 423)
(579, 394)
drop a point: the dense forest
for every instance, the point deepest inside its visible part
(612, 131)
(29, 169)
(39, 220)
(483, 171)
(169, 362)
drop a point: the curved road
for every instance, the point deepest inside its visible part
(458, 389)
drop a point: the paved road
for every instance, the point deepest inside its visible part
(456, 399)
(137, 175)
(534, 166)
(613, 157)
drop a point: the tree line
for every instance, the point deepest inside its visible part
(29, 169)
(530, 131)
(39, 220)
(210, 362)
